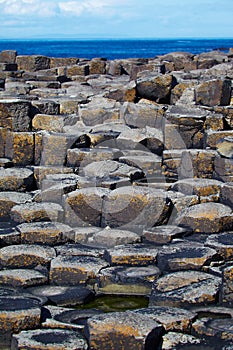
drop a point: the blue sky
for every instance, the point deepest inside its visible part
(116, 18)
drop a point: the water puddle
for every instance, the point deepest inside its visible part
(113, 303)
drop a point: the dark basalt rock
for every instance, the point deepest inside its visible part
(207, 218)
(185, 289)
(53, 339)
(75, 270)
(185, 256)
(131, 330)
(77, 316)
(116, 179)
(16, 314)
(63, 296)
(50, 233)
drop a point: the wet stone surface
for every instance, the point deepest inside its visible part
(116, 194)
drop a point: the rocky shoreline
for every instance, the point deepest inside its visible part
(116, 179)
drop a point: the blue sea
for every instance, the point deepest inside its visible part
(115, 48)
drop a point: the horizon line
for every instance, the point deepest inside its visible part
(113, 38)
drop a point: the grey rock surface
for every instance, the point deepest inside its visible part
(116, 181)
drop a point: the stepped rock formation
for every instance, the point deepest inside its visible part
(116, 178)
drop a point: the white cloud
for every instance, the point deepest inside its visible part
(51, 7)
(98, 7)
(27, 7)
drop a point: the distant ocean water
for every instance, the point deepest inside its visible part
(115, 48)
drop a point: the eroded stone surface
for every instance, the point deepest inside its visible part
(185, 256)
(45, 232)
(163, 234)
(133, 255)
(75, 270)
(63, 295)
(172, 319)
(37, 212)
(26, 256)
(16, 179)
(22, 277)
(128, 329)
(16, 314)
(222, 243)
(175, 340)
(112, 237)
(205, 189)
(51, 339)
(9, 199)
(185, 288)
(207, 218)
(131, 207)
(88, 160)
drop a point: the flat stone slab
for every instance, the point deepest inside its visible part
(206, 218)
(52, 339)
(41, 172)
(9, 199)
(110, 183)
(16, 179)
(84, 156)
(219, 328)
(22, 278)
(55, 179)
(37, 212)
(26, 256)
(55, 193)
(110, 168)
(109, 238)
(15, 114)
(135, 207)
(127, 280)
(132, 255)
(45, 232)
(225, 147)
(222, 243)
(16, 314)
(63, 296)
(8, 234)
(175, 340)
(185, 288)
(75, 270)
(79, 250)
(82, 234)
(163, 234)
(185, 256)
(84, 207)
(128, 329)
(150, 164)
(199, 187)
(172, 318)
(77, 316)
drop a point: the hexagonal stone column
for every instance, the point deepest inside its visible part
(135, 208)
(49, 339)
(16, 179)
(126, 329)
(15, 115)
(207, 218)
(16, 314)
(75, 270)
(185, 288)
